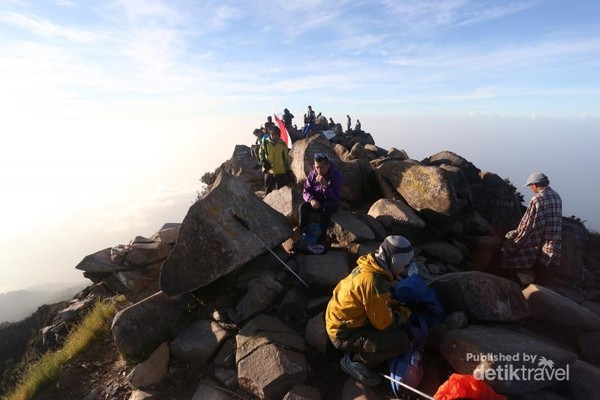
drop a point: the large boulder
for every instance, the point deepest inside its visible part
(199, 342)
(428, 190)
(511, 362)
(483, 296)
(270, 358)
(153, 370)
(497, 201)
(100, 263)
(571, 270)
(286, 201)
(548, 306)
(325, 269)
(583, 382)
(443, 251)
(243, 165)
(470, 171)
(140, 328)
(212, 243)
(262, 293)
(395, 216)
(348, 228)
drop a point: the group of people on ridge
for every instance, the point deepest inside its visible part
(362, 319)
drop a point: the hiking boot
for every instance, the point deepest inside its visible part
(359, 371)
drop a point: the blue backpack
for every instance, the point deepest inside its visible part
(426, 310)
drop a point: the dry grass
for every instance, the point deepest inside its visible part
(49, 366)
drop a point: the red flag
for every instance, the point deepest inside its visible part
(284, 134)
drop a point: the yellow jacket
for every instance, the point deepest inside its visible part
(363, 298)
(277, 155)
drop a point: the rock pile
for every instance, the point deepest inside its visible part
(223, 302)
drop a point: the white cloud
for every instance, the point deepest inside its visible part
(41, 27)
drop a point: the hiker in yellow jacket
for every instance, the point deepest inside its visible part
(275, 160)
(361, 318)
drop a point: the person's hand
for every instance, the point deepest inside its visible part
(322, 181)
(315, 204)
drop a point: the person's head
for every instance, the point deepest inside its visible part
(310, 108)
(394, 254)
(274, 133)
(270, 119)
(285, 110)
(322, 164)
(537, 181)
(257, 132)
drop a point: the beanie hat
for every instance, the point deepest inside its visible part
(397, 247)
(537, 178)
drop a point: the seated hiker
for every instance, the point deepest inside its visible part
(322, 194)
(361, 318)
(533, 250)
(275, 160)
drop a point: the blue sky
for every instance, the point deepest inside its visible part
(111, 111)
(419, 57)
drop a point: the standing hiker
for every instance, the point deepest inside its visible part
(275, 160)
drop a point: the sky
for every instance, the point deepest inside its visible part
(111, 111)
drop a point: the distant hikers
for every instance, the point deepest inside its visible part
(322, 194)
(309, 120)
(275, 161)
(287, 118)
(349, 122)
(331, 123)
(260, 137)
(269, 124)
(361, 318)
(533, 250)
(357, 127)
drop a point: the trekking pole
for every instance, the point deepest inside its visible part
(244, 223)
(404, 385)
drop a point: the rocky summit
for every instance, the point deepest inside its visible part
(221, 307)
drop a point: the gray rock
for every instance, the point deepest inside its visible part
(153, 370)
(292, 303)
(425, 189)
(377, 151)
(358, 152)
(470, 171)
(303, 392)
(212, 243)
(100, 262)
(549, 306)
(139, 395)
(169, 232)
(150, 253)
(131, 281)
(367, 247)
(325, 269)
(495, 352)
(242, 164)
(207, 391)
(270, 358)
(225, 357)
(348, 228)
(262, 294)
(593, 306)
(484, 249)
(443, 251)
(496, 200)
(228, 376)
(395, 215)
(375, 226)
(286, 201)
(140, 328)
(199, 342)
(483, 296)
(456, 320)
(316, 334)
(475, 224)
(76, 309)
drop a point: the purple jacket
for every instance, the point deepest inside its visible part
(313, 189)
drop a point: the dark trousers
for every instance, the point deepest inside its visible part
(272, 182)
(371, 346)
(325, 212)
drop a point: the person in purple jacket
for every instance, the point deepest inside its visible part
(322, 194)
